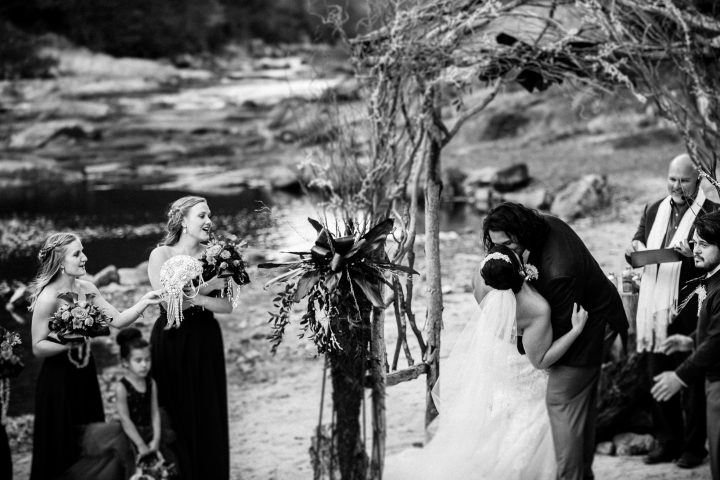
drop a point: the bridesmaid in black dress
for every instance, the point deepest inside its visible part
(67, 391)
(188, 362)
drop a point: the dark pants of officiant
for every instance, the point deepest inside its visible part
(679, 422)
(572, 408)
(712, 392)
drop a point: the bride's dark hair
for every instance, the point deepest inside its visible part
(501, 274)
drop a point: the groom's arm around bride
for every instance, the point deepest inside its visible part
(567, 274)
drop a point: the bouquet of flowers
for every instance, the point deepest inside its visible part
(10, 362)
(223, 257)
(10, 366)
(77, 320)
(336, 270)
(177, 273)
(152, 466)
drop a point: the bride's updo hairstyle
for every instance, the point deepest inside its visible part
(178, 209)
(501, 269)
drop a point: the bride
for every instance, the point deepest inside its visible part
(493, 422)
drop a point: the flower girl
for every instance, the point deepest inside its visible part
(137, 405)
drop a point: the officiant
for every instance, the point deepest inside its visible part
(668, 224)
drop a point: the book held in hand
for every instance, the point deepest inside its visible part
(648, 257)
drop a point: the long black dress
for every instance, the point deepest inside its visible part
(66, 398)
(188, 364)
(6, 470)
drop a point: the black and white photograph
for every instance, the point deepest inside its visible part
(359, 240)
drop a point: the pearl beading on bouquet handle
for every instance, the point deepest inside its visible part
(232, 291)
(175, 274)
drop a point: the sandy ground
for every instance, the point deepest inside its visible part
(275, 400)
(275, 417)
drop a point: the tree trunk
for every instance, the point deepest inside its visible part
(377, 374)
(347, 370)
(348, 394)
(433, 187)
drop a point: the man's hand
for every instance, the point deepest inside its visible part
(683, 247)
(677, 343)
(635, 246)
(666, 385)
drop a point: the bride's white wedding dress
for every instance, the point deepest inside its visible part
(493, 422)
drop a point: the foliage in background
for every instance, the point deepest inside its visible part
(21, 236)
(19, 56)
(164, 28)
(667, 54)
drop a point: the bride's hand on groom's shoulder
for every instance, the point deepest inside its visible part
(579, 318)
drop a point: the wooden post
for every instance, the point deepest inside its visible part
(377, 374)
(433, 186)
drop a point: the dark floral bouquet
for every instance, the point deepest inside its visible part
(10, 362)
(77, 320)
(335, 269)
(152, 466)
(223, 258)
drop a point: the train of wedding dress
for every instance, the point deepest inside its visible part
(493, 423)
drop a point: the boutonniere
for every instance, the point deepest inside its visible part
(530, 272)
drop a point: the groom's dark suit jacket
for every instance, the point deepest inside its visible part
(568, 273)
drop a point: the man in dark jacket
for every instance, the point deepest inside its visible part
(668, 223)
(704, 362)
(568, 273)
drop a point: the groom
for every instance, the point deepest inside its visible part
(568, 273)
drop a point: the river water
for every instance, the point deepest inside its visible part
(268, 219)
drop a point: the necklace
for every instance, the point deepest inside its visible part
(83, 355)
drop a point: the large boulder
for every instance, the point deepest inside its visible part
(283, 178)
(64, 108)
(624, 400)
(106, 276)
(347, 90)
(132, 276)
(511, 178)
(41, 133)
(19, 301)
(452, 184)
(481, 177)
(539, 198)
(29, 172)
(633, 444)
(581, 196)
(503, 125)
(482, 199)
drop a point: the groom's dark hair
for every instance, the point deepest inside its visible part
(515, 219)
(708, 227)
(502, 274)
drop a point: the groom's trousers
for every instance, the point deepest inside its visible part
(572, 408)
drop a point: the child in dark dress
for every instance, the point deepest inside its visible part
(137, 400)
